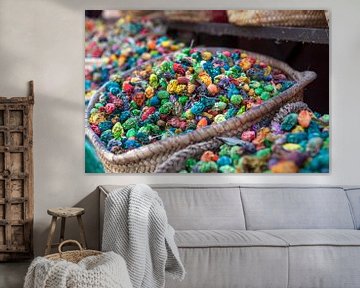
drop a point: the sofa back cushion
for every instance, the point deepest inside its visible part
(354, 198)
(203, 208)
(296, 208)
(199, 207)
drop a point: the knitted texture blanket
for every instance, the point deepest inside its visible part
(103, 271)
(136, 227)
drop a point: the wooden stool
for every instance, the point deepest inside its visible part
(64, 213)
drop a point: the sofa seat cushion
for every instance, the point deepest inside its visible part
(226, 238)
(317, 237)
(231, 258)
(322, 258)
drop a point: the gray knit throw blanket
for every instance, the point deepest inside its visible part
(136, 227)
(107, 270)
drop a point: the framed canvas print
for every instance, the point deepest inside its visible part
(204, 91)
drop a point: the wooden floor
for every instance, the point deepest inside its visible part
(12, 274)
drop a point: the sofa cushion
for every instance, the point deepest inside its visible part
(324, 266)
(226, 238)
(327, 258)
(203, 208)
(191, 207)
(215, 267)
(317, 237)
(296, 208)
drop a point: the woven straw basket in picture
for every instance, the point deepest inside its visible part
(189, 15)
(74, 256)
(145, 159)
(292, 18)
(177, 161)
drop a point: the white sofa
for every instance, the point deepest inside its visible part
(235, 236)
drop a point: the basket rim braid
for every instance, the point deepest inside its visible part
(74, 256)
(175, 143)
(176, 162)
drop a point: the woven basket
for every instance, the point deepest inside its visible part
(189, 15)
(146, 158)
(72, 256)
(177, 161)
(293, 18)
(140, 13)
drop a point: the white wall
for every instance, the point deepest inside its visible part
(43, 40)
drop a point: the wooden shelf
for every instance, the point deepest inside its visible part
(295, 34)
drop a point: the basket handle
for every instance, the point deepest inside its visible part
(69, 241)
